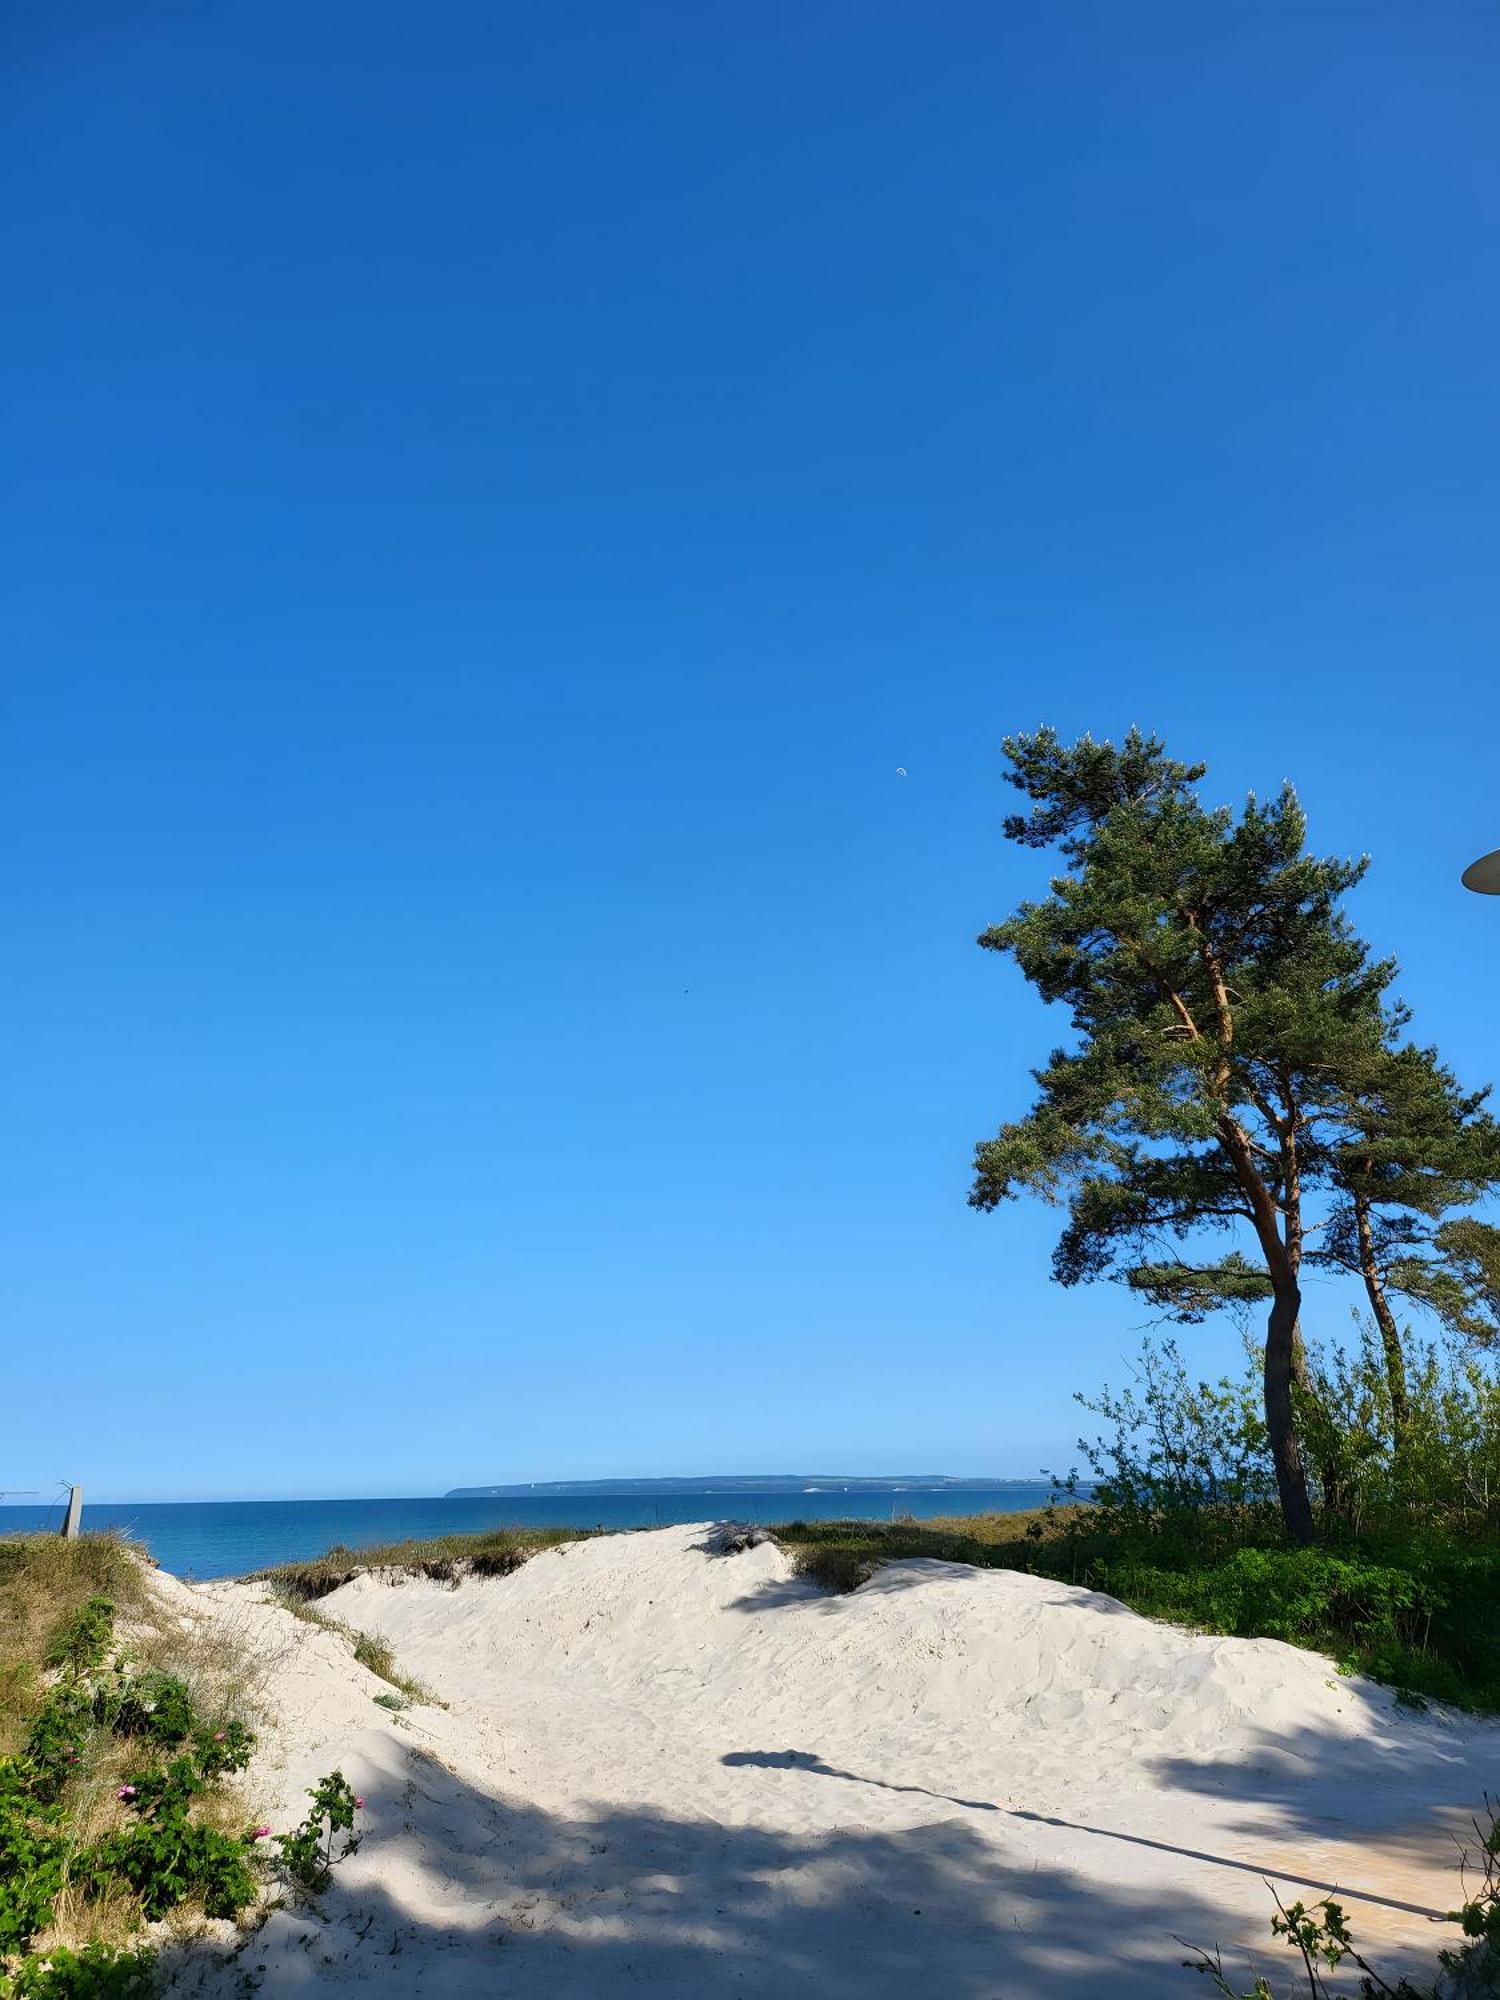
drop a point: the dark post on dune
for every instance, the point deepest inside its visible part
(74, 1514)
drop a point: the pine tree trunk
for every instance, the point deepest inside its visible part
(1281, 1426)
(1282, 1336)
(1385, 1319)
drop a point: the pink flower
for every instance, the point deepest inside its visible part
(218, 1736)
(360, 1803)
(260, 1833)
(125, 1792)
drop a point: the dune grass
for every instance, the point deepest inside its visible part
(446, 1558)
(841, 1555)
(45, 1582)
(371, 1652)
(1419, 1612)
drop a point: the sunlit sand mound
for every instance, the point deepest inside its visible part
(663, 1771)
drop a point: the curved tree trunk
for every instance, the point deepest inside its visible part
(1281, 1426)
(1325, 1449)
(1385, 1319)
(1282, 1339)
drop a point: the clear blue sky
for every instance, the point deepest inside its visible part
(494, 494)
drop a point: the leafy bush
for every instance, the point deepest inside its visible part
(173, 1861)
(163, 1856)
(82, 1643)
(98, 1972)
(1419, 1611)
(1180, 1450)
(153, 1706)
(307, 1854)
(57, 1741)
(218, 1751)
(1280, 1593)
(1190, 1456)
(1406, 1584)
(31, 1858)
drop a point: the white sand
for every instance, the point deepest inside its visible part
(671, 1773)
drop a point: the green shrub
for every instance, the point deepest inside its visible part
(834, 1567)
(154, 1706)
(218, 1751)
(83, 1642)
(1280, 1593)
(166, 1858)
(98, 1972)
(31, 1859)
(58, 1739)
(75, 1706)
(167, 1862)
(307, 1854)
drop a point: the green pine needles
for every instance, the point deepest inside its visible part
(1237, 1100)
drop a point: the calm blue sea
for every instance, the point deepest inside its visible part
(208, 1538)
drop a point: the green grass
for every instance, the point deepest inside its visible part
(371, 1653)
(46, 1585)
(1417, 1609)
(67, 1608)
(446, 1558)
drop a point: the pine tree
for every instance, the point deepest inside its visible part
(1218, 997)
(1416, 1147)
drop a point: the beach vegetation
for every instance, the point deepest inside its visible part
(834, 1565)
(97, 1972)
(1238, 1081)
(307, 1852)
(440, 1558)
(372, 1653)
(1320, 1935)
(116, 1799)
(1179, 1520)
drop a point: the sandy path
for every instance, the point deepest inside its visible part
(666, 1772)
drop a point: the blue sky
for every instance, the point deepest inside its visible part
(495, 493)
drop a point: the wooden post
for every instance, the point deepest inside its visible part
(75, 1511)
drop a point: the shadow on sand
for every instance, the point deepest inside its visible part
(459, 1894)
(805, 1760)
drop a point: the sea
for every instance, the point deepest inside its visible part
(200, 1539)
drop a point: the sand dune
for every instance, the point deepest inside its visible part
(666, 1772)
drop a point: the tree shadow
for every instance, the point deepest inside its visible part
(462, 1889)
(458, 1892)
(807, 1760)
(1396, 1783)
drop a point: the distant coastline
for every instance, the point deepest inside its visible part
(749, 1482)
(214, 1538)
